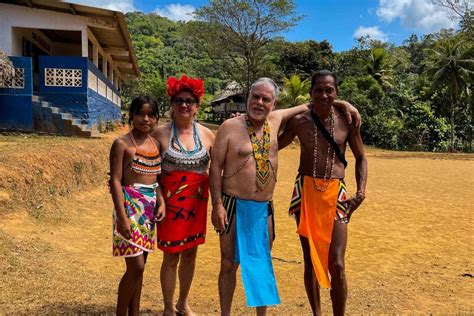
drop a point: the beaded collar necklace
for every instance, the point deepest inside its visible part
(261, 153)
(197, 142)
(329, 166)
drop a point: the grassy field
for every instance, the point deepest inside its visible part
(410, 245)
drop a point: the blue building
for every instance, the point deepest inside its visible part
(69, 64)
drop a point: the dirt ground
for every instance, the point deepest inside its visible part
(410, 247)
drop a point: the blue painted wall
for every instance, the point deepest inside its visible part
(101, 109)
(63, 62)
(16, 111)
(69, 99)
(16, 108)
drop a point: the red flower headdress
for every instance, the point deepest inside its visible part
(175, 85)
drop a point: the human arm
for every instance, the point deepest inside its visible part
(285, 138)
(357, 147)
(117, 153)
(218, 155)
(350, 112)
(285, 115)
(210, 137)
(161, 206)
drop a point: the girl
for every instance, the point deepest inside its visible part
(135, 165)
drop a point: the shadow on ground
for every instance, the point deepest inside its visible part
(80, 309)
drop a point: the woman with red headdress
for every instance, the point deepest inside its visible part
(186, 146)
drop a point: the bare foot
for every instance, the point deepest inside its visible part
(170, 312)
(184, 311)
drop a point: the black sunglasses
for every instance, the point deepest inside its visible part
(189, 102)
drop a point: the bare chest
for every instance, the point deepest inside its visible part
(310, 136)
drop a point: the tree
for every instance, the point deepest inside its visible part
(295, 91)
(422, 130)
(376, 66)
(462, 10)
(234, 34)
(451, 67)
(456, 7)
(304, 58)
(163, 51)
(152, 85)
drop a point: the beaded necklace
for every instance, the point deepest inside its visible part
(261, 153)
(197, 147)
(329, 166)
(176, 157)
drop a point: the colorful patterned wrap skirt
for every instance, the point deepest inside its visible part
(140, 206)
(186, 194)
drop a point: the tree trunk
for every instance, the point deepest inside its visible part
(472, 123)
(453, 107)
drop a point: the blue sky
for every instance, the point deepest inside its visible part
(338, 22)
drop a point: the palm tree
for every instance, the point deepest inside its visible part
(451, 67)
(295, 91)
(377, 67)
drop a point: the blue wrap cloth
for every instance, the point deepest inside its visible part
(252, 250)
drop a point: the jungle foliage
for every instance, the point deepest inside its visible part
(417, 96)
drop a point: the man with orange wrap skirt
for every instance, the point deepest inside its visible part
(319, 201)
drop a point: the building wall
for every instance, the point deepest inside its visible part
(15, 101)
(66, 49)
(103, 97)
(33, 35)
(76, 86)
(101, 110)
(63, 81)
(23, 17)
(43, 42)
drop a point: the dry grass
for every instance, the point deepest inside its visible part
(410, 245)
(37, 170)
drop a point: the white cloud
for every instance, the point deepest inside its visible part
(372, 31)
(177, 12)
(420, 15)
(116, 5)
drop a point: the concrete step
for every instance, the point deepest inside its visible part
(66, 116)
(84, 130)
(76, 121)
(37, 98)
(56, 122)
(55, 109)
(42, 103)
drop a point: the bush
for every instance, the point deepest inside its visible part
(382, 130)
(423, 130)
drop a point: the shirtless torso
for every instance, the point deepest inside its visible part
(303, 127)
(239, 177)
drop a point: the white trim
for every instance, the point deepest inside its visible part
(92, 81)
(101, 88)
